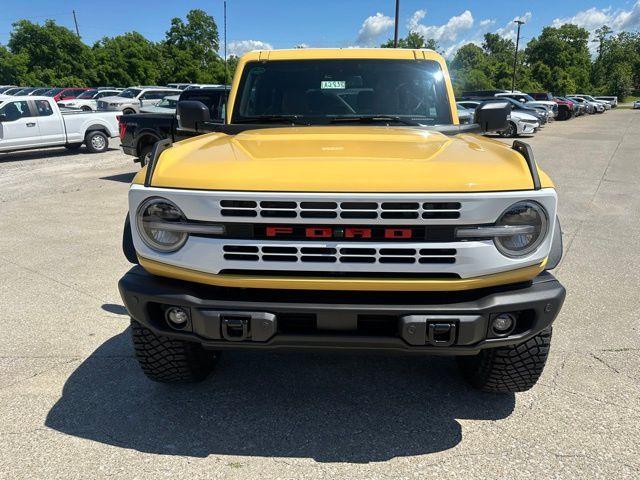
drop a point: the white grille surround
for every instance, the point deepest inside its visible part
(472, 258)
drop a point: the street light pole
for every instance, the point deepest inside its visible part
(395, 35)
(515, 57)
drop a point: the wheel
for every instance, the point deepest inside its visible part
(166, 360)
(145, 154)
(508, 369)
(128, 111)
(86, 109)
(510, 132)
(73, 146)
(96, 142)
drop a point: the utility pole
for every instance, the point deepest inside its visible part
(395, 35)
(515, 57)
(226, 68)
(75, 20)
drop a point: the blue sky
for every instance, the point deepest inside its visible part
(329, 23)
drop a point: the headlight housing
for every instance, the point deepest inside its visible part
(522, 214)
(154, 212)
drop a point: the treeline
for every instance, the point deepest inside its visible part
(557, 61)
(49, 54)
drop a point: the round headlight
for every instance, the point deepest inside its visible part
(152, 214)
(525, 213)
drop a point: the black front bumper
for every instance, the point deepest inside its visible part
(382, 321)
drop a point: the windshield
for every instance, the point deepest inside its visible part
(53, 92)
(325, 91)
(168, 102)
(88, 94)
(130, 93)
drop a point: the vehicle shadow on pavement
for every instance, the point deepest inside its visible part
(121, 177)
(38, 154)
(332, 408)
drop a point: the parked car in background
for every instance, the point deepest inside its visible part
(612, 100)
(179, 86)
(4, 88)
(636, 104)
(579, 109)
(591, 107)
(520, 122)
(39, 91)
(88, 100)
(589, 98)
(544, 96)
(133, 99)
(37, 122)
(566, 108)
(64, 93)
(465, 115)
(11, 91)
(166, 105)
(139, 132)
(204, 85)
(530, 101)
(540, 113)
(25, 91)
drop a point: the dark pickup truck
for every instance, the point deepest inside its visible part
(140, 131)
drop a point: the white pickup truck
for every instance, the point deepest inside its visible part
(37, 122)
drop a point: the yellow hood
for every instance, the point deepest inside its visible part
(343, 159)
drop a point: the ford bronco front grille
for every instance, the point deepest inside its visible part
(345, 210)
(292, 254)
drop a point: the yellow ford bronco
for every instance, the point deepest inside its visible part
(342, 207)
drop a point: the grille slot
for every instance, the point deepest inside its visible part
(365, 210)
(386, 256)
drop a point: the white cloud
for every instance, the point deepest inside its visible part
(510, 29)
(445, 33)
(240, 47)
(373, 27)
(594, 18)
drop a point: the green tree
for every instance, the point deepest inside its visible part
(414, 40)
(565, 50)
(128, 59)
(190, 49)
(54, 54)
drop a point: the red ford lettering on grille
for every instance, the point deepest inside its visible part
(319, 232)
(352, 233)
(277, 231)
(398, 233)
(357, 232)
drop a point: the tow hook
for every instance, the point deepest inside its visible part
(437, 330)
(235, 329)
(235, 326)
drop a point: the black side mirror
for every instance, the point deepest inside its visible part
(492, 116)
(192, 114)
(3, 118)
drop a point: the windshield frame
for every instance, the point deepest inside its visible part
(441, 103)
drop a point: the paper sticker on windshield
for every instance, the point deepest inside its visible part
(333, 84)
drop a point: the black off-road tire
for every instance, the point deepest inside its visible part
(128, 111)
(508, 369)
(167, 360)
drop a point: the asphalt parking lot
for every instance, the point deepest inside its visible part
(73, 403)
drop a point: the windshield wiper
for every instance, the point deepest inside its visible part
(375, 118)
(259, 119)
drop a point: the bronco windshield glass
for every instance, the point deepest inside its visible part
(319, 92)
